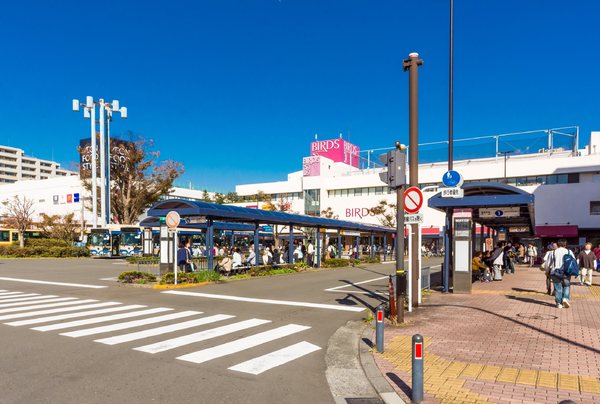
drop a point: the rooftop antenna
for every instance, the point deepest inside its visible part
(316, 136)
(340, 135)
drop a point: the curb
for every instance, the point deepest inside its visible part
(376, 378)
(182, 286)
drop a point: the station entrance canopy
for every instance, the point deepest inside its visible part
(229, 213)
(493, 205)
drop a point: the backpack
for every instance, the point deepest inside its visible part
(570, 266)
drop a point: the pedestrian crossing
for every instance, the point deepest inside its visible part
(158, 330)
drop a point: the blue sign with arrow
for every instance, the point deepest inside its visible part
(452, 178)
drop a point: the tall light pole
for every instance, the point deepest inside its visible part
(105, 112)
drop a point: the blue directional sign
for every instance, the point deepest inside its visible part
(452, 179)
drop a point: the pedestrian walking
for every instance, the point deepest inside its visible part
(496, 261)
(587, 264)
(546, 266)
(310, 251)
(531, 254)
(563, 265)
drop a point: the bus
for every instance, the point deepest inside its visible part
(115, 241)
(11, 236)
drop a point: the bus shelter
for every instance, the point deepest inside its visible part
(492, 208)
(211, 213)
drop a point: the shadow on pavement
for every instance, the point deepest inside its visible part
(398, 382)
(528, 300)
(558, 337)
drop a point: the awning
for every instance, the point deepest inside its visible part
(557, 231)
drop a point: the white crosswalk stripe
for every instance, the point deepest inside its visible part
(54, 313)
(200, 336)
(10, 294)
(96, 320)
(119, 339)
(242, 344)
(271, 360)
(19, 297)
(129, 324)
(23, 299)
(45, 300)
(78, 314)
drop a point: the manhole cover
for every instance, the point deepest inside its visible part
(537, 316)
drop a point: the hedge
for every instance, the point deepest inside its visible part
(136, 277)
(13, 251)
(190, 277)
(46, 242)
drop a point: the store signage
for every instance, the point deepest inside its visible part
(55, 199)
(338, 150)
(499, 212)
(76, 197)
(520, 229)
(69, 198)
(413, 218)
(359, 212)
(454, 192)
(311, 166)
(119, 151)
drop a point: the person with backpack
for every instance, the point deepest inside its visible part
(546, 266)
(563, 265)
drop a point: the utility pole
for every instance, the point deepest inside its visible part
(412, 66)
(395, 177)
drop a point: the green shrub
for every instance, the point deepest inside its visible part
(42, 251)
(370, 260)
(46, 242)
(136, 277)
(190, 277)
(134, 260)
(336, 263)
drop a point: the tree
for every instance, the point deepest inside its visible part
(385, 213)
(232, 197)
(219, 198)
(206, 196)
(138, 181)
(60, 227)
(19, 213)
(327, 213)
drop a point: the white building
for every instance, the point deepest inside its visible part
(64, 195)
(565, 183)
(16, 166)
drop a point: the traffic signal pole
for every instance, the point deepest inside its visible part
(400, 272)
(412, 65)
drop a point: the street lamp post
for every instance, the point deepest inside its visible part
(105, 113)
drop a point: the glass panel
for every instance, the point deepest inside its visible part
(551, 179)
(562, 179)
(358, 192)
(595, 208)
(378, 190)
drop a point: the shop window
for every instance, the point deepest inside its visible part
(595, 208)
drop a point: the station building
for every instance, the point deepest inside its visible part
(340, 181)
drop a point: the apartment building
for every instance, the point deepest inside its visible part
(16, 166)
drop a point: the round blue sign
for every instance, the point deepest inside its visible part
(452, 179)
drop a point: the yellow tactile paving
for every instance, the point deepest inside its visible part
(444, 378)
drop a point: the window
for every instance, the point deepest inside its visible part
(562, 179)
(594, 207)
(358, 192)
(378, 190)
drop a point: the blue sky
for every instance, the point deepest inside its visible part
(236, 90)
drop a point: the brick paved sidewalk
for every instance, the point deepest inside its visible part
(505, 343)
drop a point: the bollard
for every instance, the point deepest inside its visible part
(417, 368)
(392, 299)
(379, 329)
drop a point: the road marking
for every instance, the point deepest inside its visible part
(242, 344)
(38, 304)
(113, 279)
(73, 315)
(52, 311)
(96, 320)
(18, 298)
(200, 336)
(119, 339)
(267, 301)
(263, 363)
(10, 294)
(129, 324)
(354, 284)
(76, 285)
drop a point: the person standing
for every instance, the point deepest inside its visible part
(530, 254)
(521, 252)
(560, 275)
(310, 251)
(497, 260)
(587, 264)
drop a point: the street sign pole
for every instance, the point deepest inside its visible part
(175, 254)
(412, 65)
(400, 272)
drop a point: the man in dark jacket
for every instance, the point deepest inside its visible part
(587, 264)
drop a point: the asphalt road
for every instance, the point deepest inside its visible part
(276, 348)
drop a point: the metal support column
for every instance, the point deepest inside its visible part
(256, 240)
(447, 253)
(372, 245)
(318, 247)
(481, 237)
(339, 244)
(357, 247)
(291, 245)
(210, 244)
(384, 246)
